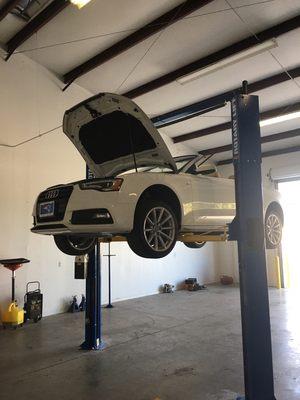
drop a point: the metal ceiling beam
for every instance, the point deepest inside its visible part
(265, 139)
(212, 58)
(141, 34)
(191, 110)
(288, 108)
(270, 153)
(202, 132)
(7, 8)
(46, 15)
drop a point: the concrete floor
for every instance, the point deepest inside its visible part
(166, 347)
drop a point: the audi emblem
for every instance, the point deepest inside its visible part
(52, 194)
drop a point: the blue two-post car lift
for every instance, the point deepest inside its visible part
(247, 229)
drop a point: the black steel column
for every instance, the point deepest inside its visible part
(248, 230)
(109, 255)
(13, 285)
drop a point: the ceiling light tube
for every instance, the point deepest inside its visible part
(80, 3)
(243, 55)
(281, 118)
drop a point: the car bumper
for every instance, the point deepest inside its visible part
(87, 212)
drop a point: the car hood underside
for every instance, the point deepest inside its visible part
(114, 135)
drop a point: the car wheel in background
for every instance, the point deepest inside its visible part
(273, 229)
(155, 230)
(74, 245)
(195, 245)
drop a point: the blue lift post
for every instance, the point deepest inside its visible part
(93, 339)
(248, 229)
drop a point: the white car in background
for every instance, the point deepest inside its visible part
(139, 190)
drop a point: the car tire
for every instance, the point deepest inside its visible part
(194, 245)
(74, 245)
(155, 230)
(273, 229)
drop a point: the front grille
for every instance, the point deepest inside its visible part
(60, 196)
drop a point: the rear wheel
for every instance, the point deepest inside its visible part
(74, 245)
(155, 230)
(195, 245)
(273, 229)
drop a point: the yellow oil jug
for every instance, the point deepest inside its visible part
(13, 316)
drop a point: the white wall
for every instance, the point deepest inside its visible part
(31, 103)
(226, 253)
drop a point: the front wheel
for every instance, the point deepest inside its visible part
(74, 245)
(155, 230)
(273, 229)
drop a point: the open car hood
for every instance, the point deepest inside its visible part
(114, 135)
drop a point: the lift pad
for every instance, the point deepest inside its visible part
(186, 237)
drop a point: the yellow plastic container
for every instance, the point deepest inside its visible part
(13, 317)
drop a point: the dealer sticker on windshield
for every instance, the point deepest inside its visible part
(46, 209)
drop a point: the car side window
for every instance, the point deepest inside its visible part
(209, 172)
(192, 170)
(203, 170)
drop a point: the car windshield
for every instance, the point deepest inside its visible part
(180, 162)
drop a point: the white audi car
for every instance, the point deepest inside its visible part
(139, 190)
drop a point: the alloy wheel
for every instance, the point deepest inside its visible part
(159, 228)
(273, 229)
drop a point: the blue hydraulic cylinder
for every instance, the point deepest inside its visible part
(93, 339)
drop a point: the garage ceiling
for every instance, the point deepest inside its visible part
(75, 35)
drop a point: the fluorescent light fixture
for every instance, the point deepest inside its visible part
(281, 118)
(243, 55)
(80, 3)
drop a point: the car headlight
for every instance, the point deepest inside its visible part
(103, 185)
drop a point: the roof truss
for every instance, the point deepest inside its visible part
(271, 153)
(7, 8)
(265, 139)
(275, 112)
(141, 34)
(46, 15)
(219, 55)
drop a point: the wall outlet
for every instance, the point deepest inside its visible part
(59, 263)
